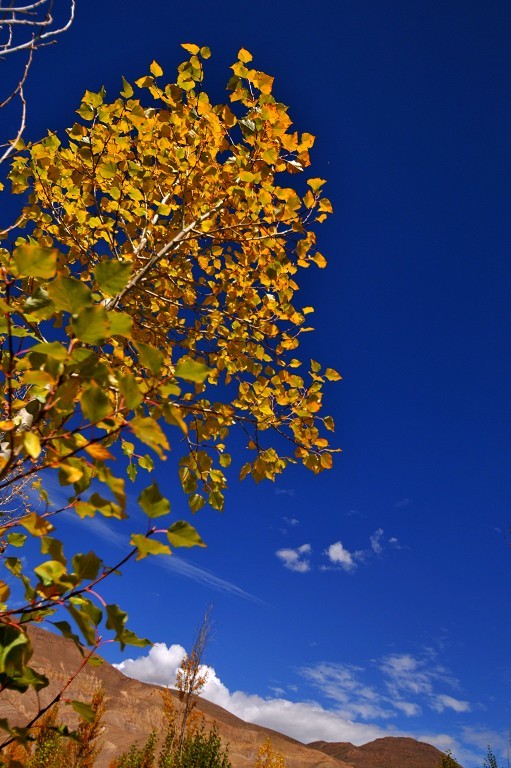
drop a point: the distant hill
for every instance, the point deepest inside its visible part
(134, 708)
(389, 752)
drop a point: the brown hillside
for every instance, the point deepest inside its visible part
(134, 709)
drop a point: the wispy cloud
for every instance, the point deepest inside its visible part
(401, 503)
(401, 684)
(442, 702)
(296, 559)
(376, 541)
(172, 563)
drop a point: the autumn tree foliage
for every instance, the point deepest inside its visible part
(46, 747)
(185, 740)
(150, 300)
(267, 757)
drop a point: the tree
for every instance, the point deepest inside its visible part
(490, 761)
(82, 752)
(25, 27)
(448, 761)
(268, 758)
(191, 677)
(150, 300)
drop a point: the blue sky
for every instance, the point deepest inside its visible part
(375, 598)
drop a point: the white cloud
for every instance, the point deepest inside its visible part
(376, 541)
(338, 555)
(341, 557)
(442, 701)
(159, 666)
(296, 559)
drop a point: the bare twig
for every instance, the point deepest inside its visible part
(24, 29)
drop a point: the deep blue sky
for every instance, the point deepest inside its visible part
(410, 102)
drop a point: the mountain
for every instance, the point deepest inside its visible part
(389, 752)
(134, 709)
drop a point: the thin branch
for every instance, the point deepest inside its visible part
(142, 272)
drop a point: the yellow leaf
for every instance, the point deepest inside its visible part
(4, 591)
(244, 55)
(32, 444)
(191, 48)
(155, 69)
(37, 526)
(98, 451)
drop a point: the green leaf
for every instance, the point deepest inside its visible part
(116, 621)
(87, 616)
(68, 294)
(182, 534)
(84, 710)
(50, 572)
(147, 546)
(15, 653)
(196, 502)
(36, 261)
(121, 324)
(91, 325)
(54, 548)
(51, 349)
(149, 357)
(86, 566)
(39, 305)
(146, 462)
(191, 370)
(95, 403)
(16, 539)
(128, 388)
(152, 502)
(112, 275)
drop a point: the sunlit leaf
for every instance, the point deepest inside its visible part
(182, 534)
